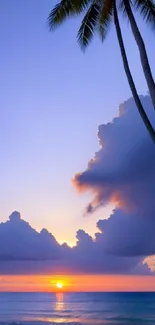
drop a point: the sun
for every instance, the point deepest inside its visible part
(59, 285)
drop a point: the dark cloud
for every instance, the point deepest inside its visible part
(123, 172)
(24, 250)
(126, 234)
(19, 241)
(124, 164)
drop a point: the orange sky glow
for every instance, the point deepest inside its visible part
(75, 283)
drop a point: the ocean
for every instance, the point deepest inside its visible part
(77, 308)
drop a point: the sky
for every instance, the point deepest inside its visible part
(57, 146)
(76, 283)
(53, 97)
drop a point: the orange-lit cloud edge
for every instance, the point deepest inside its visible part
(76, 283)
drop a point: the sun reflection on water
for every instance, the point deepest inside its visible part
(59, 304)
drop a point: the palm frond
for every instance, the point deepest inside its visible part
(65, 9)
(147, 10)
(105, 18)
(88, 25)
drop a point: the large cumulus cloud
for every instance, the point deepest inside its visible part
(123, 172)
(123, 169)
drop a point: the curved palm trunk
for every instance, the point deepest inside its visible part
(129, 76)
(142, 51)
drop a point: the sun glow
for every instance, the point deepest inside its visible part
(76, 283)
(59, 285)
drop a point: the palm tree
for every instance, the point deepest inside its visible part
(147, 9)
(98, 17)
(129, 75)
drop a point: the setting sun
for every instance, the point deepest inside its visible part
(59, 285)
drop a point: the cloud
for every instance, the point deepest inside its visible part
(123, 172)
(24, 250)
(124, 161)
(19, 241)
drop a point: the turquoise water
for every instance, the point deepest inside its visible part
(77, 308)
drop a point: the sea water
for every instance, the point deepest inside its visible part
(77, 308)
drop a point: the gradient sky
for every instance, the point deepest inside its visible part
(53, 97)
(76, 283)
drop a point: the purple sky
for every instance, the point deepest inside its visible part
(53, 97)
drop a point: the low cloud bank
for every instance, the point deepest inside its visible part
(24, 250)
